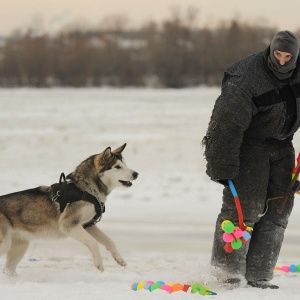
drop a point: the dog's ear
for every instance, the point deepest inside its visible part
(120, 149)
(101, 158)
(106, 155)
(71, 176)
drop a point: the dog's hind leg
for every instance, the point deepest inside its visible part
(81, 235)
(109, 244)
(5, 235)
(14, 255)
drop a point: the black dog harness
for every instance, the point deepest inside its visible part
(66, 192)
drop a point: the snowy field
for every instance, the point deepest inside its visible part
(163, 225)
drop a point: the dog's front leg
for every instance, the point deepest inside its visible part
(109, 244)
(81, 235)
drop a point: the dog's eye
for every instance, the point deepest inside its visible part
(117, 167)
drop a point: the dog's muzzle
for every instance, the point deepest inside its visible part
(129, 183)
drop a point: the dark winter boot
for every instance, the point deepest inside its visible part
(233, 282)
(263, 284)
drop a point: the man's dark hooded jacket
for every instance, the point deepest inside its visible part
(254, 105)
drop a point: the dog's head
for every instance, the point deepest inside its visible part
(112, 169)
(105, 171)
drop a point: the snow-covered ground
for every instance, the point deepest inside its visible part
(163, 225)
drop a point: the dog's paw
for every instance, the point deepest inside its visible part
(8, 272)
(118, 258)
(123, 263)
(100, 267)
(120, 261)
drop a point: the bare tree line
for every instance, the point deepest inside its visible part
(175, 54)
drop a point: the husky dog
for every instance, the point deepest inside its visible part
(67, 209)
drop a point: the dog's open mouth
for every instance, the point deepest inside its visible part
(126, 183)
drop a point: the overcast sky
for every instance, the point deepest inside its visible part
(52, 15)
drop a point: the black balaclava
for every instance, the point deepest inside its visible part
(284, 41)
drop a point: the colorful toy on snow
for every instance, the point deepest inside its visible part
(291, 268)
(172, 287)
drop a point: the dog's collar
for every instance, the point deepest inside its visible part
(93, 190)
(66, 192)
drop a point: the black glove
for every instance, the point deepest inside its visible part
(223, 181)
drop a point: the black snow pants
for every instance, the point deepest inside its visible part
(265, 172)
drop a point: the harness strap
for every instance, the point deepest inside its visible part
(66, 192)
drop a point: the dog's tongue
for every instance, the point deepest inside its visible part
(126, 183)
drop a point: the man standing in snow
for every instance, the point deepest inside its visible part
(249, 140)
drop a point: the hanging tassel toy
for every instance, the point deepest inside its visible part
(295, 172)
(235, 236)
(294, 187)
